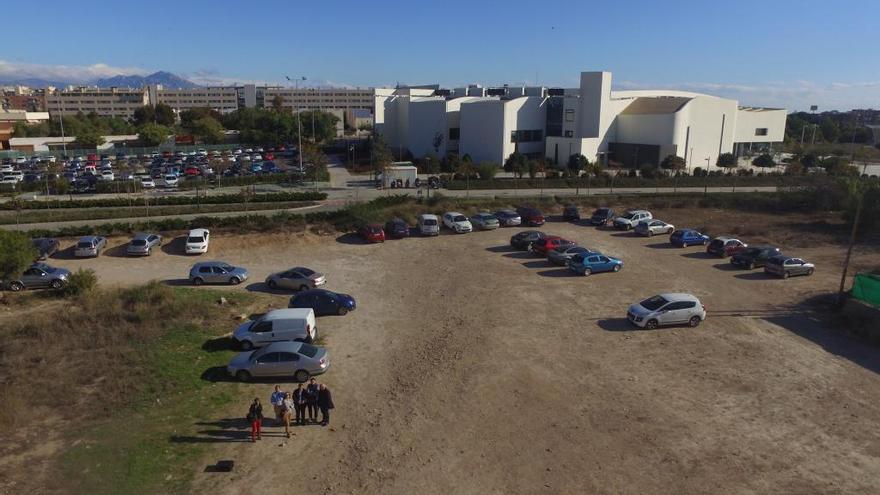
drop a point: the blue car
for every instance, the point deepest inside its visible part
(688, 237)
(588, 263)
(323, 302)
(256, 168)
(270, 167)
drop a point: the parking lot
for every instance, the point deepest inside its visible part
(466, 358)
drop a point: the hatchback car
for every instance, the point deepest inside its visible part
(667, 309)
(653, 227)
(280, 359)
(45, 246)
(586, 264)
(217, 272)
(530, 216)
(89, 246)
(754, 257)
(601, 216)
(457, 222)
(570, 213)
(485, 221)
(38, 275)
(297, 278)
(523, 240)
(562, 255)
(688, 237)
(508, 218)
(323, 302)
(786, 266)
(142, 244)
(397, 228)
(543, 246)
(372, 233)
(725, 246)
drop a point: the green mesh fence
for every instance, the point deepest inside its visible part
(866, 288)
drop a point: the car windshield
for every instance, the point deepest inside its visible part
(716, 243)
(429, 221)
(84, 244)
(305, 271)
(44, 267)
(374, 230)
(225, 267)
(459, 218)
(629, 216)
(308, 350)
(751, 252)
(193, 239)
(139, 242)
(653, 303)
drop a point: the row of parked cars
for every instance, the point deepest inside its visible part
(429, 224)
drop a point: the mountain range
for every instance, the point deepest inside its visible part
(166, 79)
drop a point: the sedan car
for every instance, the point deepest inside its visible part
(508, 218)
(530, 216)
(170, 180)
(562, 255)
(297, 278)
(688, 237)
(45, 247)
(570, 213)
(725, 246)
(523, 240)
(586, 264)
(39, 275)
(485, 221)
(667, 309)
(543, 246)
(786, 266)
(372, 233)
(654, 227)
(397, 228)
(323, 302)
(217, 272)
(457, 222)
(754, 257)
(601, 216)
(280, 359)
(142, 244)
(89, 246)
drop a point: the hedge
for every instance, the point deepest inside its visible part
(116, 202)
(625, 181)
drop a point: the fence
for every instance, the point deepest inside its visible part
(112, 150)
(866, 288)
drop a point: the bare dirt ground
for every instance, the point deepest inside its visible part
(472, 368)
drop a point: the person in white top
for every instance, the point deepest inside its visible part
(286, 412)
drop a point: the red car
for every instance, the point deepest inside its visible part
(545, 245)
(725, 246)
(192, 171)
(530, 216)
(372, 233)
(91, 157)
(268, 156)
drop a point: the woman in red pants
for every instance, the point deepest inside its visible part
(255, 416)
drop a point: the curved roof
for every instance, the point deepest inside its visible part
(654, 93)
(656, 105)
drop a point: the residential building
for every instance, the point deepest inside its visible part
(223, 99)
(111, 102)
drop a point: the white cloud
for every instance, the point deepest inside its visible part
(73, 73)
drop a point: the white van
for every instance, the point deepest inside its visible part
(296, 324)
(197, 241)
(429, 224)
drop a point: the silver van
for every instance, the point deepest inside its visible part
(429, 224)
(279, 325)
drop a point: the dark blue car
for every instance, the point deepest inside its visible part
(688, 237)
(323, 302)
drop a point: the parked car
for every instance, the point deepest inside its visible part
(38, 275)
(754, 257)
(485, 221)
(725, 246)
(278, 325)
(631, 218)
(601, 216)
(786, 266)
(171, 180)
(197, 241)
(457, 222)
(523, 240)
(148, 183)
(106, 175)
(397, 228)
(217, 272)
(323, 302)
(562, 255)
(688, 237)
(90, 246)
(372, 233)
(530, 216)
(667, 309)
(280, 359)
(654, 227)
(508, 218)
(45, 246)
(543, 246)
(429, 224)
(297, 278)
(586, 264)
(142, 244)
(570, 213)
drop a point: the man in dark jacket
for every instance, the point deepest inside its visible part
(312, 400)
(299, 403)
(325, 402)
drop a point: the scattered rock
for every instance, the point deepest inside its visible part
(222, 301)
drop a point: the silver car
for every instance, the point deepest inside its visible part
(217, 272)
(508, 218)
(667, 309)
(38, 276)
(786, 266)
(142, 244)
(280, 359)
(90, 246)
(654, 227)
(561, 256)
(485, 221)
(298, 278)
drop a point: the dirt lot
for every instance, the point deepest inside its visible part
(471, 368)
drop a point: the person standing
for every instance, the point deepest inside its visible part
(325, 402)
(312, 400)
(255, 416)
(277, 398)
(287, 412)
(299, 403)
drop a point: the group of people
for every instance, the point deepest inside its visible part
(300, 406)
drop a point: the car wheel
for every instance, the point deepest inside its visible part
(273, 284)
(650, 233)
(198, 281)
(149, 252)
(303, 287)
(342, 311)
(786, 274)
(243, 376)
(684, 244)
(56, 284)
(234, 281)
(694, 321)
(246, 345)
(809, 271)
(301, 376)
(616, 268)
(651, 324)
(587, 272)
(751, 265)
(15, 286)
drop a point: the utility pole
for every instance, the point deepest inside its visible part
(852, 238)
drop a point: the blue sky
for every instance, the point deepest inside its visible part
(772, 52)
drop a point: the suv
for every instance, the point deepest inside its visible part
(725, 246)
(523, 240)
(39, 275)
(216, 272)
(543, 246)
(785, 266)
(601, 216)
(667, 309)
(530, 216)
(754, 257)
(631, 218)
(89, 246)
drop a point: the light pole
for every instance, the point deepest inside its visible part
(298, 123)
(706, 184)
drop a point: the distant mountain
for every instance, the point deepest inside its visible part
(166, 79)
(34, 82)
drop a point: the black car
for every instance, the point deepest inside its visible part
(754, 257)
(601, 216)
(323, 302)
(45, 247)
(570, 213)
(397, 228)
(524, 239)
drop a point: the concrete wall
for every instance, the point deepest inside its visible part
(427, 120)
(645, 128)
(482, 130)
(711, 121)
(748, 120)
(527, 113)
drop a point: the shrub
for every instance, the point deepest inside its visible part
(81, 282)
(16, 253)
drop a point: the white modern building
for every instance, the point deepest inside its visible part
(631, 128)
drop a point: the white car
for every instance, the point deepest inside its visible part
(248, 151)
(20, 160)
(245, 158)
(9, 180)
(631, 218)
(667, 309)
(106, 175)
(170, 181)
(197, 241)
(203, 152)
(18, 175)
(457, 222)
(257, 158)
(6, 167)
(147, 183)
(51, 158)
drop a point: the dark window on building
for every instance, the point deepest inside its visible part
(526, 136)
(554, 117)
(569, 115)
(761, 131)
(454, 133)
(569, 134)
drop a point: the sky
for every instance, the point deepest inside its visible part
(779, 53)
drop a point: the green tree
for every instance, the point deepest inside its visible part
(207, 129)
(533, 167)
(764, 160)
(153, 134)
(17, 252)
(517, 164)
(89, 139)
(278, 103)
(726, 160)
(144, 115)
(381, 154)
(487, 170)
(466, 168)
(164, 114)
(324, 124)
(830, 130)
(577, 163)
(673, 162)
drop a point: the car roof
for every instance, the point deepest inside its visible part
(141, 235)
(678, 296)
(198, 232)
(89, 238)
(286, 346)
(288, 314)
(636, 211)
(428, 215)
(314, 291)
(211, 263)
(453, 213)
